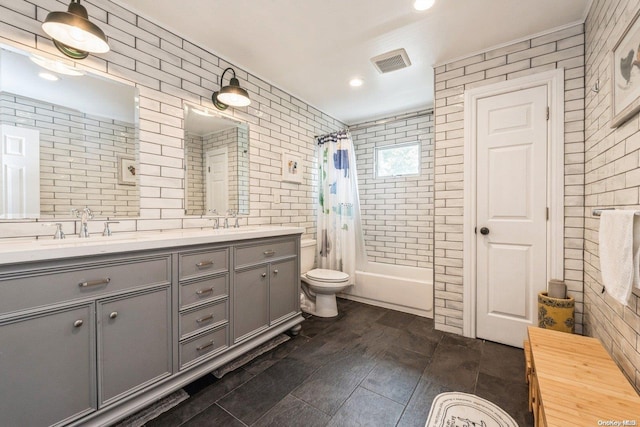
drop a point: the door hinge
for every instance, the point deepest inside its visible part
(475, 230)
(209, 169)
(547, 113)
(547, 214)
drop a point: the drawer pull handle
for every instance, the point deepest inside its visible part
(113, 315)
(94, 282)
(203, 346)
(204, 264)
(78, 323)
(205, 318)
(204, 291)
(270, 252)
(275, 271)
(264, 274)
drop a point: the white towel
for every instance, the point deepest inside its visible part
(619, 241)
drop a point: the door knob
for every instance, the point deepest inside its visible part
(484, 231)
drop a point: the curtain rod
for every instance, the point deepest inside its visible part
(390, 120)
(383, 121)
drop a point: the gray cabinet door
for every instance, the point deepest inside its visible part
(284, 298)
(134, 343)
(250, 296)
(47, 368)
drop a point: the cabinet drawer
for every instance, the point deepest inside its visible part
(194, 264)
(203, 290)
(203, 345)
(265, 251)
(193, 320)
(49, 286)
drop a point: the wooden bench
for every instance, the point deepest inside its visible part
(574, 382)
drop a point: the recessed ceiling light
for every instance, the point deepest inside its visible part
(423, 4)
(48, 76)
(356, 82)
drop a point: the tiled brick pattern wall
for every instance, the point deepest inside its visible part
(560, 49)
(397, 213)
(169, 70)
(78, 157)
(612, 179)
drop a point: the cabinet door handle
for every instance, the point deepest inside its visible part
(78, 323)
(264, 274)
(275, 271)
(204, 291)
(94, 282)
(113, 315)
(204, 264)
(205, 318)
(203, 346)
(270, 252)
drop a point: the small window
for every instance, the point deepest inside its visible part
(398, 160)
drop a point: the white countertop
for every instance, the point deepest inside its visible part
(18, 250)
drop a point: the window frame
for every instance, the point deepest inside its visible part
(396, 146)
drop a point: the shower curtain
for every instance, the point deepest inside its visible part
(339, 231)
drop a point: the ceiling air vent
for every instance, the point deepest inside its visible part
(391, 61)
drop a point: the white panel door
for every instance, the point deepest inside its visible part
(20, 175)
(511, 213)
(217, 180)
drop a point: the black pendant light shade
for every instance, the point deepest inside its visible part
(231, 95)
(73, 34)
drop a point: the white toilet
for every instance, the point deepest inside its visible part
(319, 286)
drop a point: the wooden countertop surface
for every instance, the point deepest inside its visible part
(579, 383)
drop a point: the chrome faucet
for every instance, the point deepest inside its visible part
(85, 215)
(216, 222)
(232, 214)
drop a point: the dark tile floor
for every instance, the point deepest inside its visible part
(368, 367)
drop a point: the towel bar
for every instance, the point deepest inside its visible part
(598, 212)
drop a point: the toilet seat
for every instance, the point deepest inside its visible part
(327, 276)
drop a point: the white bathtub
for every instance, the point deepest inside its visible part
(398, 287)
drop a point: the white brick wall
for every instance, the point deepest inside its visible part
(169, 70)
(560, 49)
(397, 213)
(612, 179)
(78, 157)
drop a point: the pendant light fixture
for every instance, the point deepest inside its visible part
(231, 95)
(73, 34)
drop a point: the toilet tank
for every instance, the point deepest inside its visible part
(307, 255)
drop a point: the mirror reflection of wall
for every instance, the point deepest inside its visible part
(217, 159)
(80, 127)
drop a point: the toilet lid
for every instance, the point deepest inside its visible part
(329, 276)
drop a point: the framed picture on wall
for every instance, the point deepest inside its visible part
(625, 81)
(291, 168)
(126, 170)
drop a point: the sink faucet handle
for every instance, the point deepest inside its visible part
(216, 222)
(59, 234)
(107, 231)
(213, 211)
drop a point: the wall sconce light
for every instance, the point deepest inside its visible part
(231, 95)
(73, 34)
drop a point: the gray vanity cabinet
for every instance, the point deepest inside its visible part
(86, 340)
(47, 364)
(266, 285)
(134, 342)
(284, 295)
(250, 302)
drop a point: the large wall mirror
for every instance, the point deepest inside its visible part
(217, 163)
(68, 138)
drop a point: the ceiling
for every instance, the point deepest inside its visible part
(312, 48)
